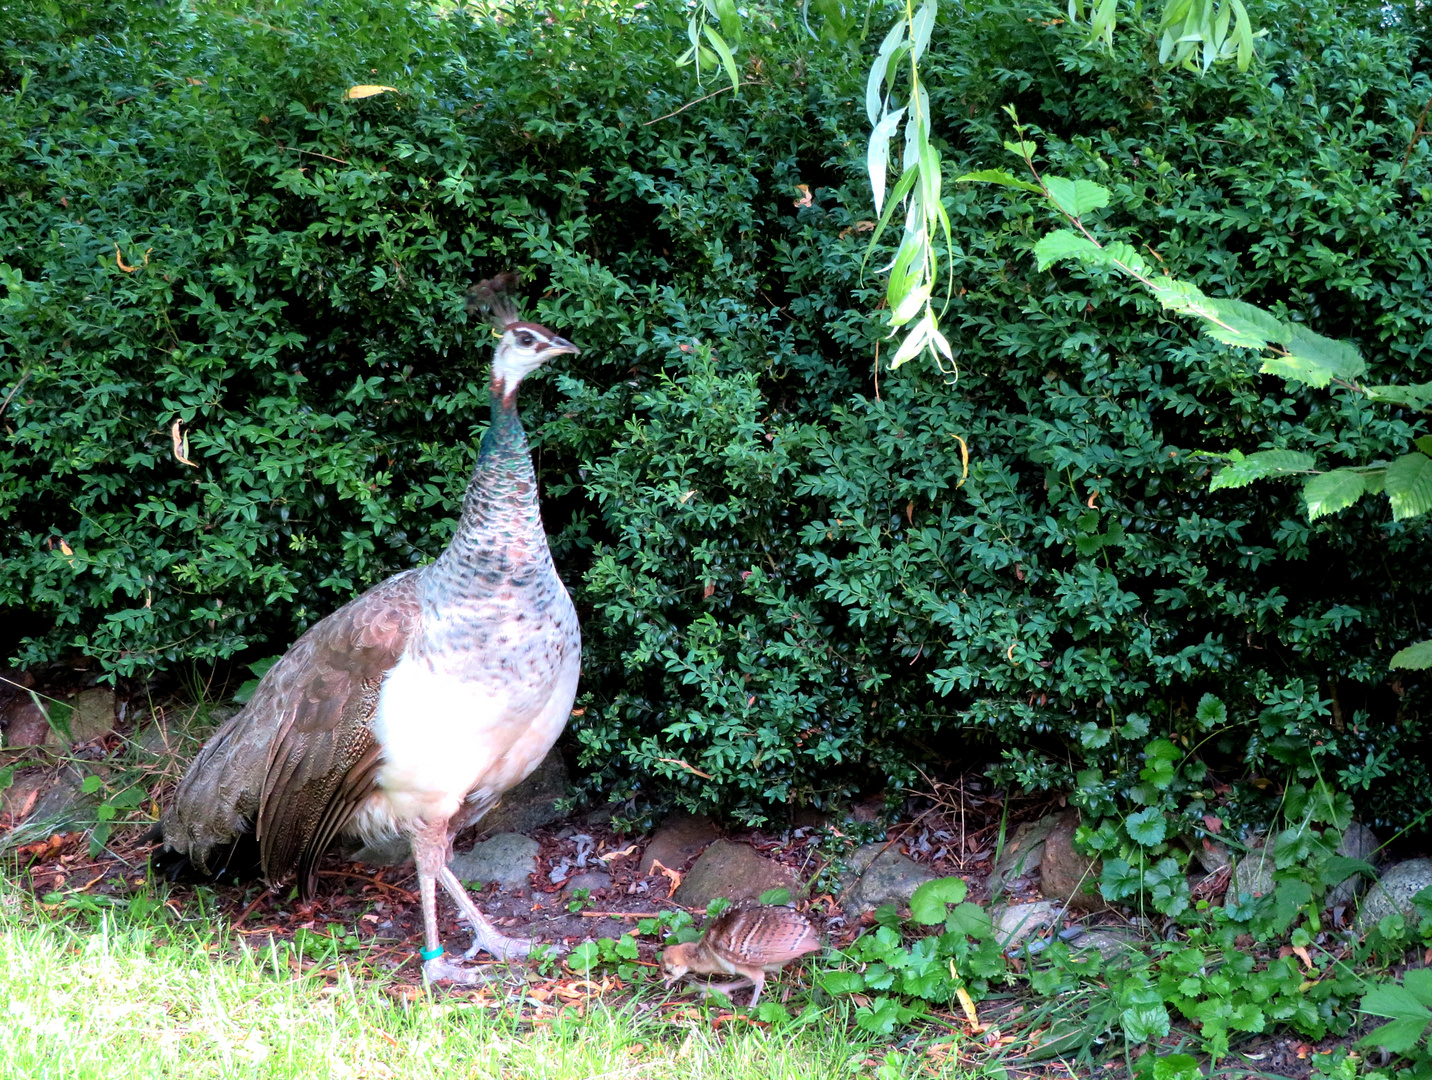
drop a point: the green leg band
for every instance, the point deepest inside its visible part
(430, 954)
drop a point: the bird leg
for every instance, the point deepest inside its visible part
(430, 852)
(755, 978)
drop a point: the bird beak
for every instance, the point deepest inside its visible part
(562, 345)
(671, 980)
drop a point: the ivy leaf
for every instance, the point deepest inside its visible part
(1210, 712)
(1001, 177)
(928, 902)
(1118, 880)
(1409, 485)
(1147, 827)
(1332, 491)
(841, 982)
(1076, 197)
(1245, 468)
(1416, 657)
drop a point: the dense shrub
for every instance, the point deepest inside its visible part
(788, 586)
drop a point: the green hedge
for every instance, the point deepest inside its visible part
(787, 591)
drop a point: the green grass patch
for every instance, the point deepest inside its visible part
(133, 992)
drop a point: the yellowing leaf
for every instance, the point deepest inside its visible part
(353, 93)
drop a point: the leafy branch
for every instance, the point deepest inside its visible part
(1287, 349)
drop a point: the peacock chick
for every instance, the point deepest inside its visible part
(749, 940)
(410, 710)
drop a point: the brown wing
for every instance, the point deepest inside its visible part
(301, 757)
(761, 934)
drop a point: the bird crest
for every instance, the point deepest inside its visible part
(493, 298)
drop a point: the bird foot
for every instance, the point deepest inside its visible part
(505, 948)
(441, 969)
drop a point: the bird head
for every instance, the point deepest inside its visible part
(676, 962)
(522, 347)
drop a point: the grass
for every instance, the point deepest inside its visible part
(131, 992)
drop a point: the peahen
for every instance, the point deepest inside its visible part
(410, 710)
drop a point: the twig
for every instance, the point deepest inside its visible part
(15, 390)
(250, 909)
(1416, 135)
(312, 153)
(698, 101)
(409, 897)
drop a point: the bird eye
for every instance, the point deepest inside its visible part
(525, 339)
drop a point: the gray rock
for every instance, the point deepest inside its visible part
(1253, 873)
(507, 859)
(532, 803)
(1212, 855)
(1110, 941)
(878, 875)
(734, 871)
(1393, 893)
(680, 837)
(1022, 853)
(91, 714)
(1015, 922)
(1358, 842)
(1066, 873)
(20, 797)
(591, 880)
(63, 806)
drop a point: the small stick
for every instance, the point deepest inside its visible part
(409, 897)
(250, 909)
(698, 101)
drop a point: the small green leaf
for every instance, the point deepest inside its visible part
(1147, 827)
(1415, 657)
(776, 896)
(1416, 396)
(1076, 197)
(1064, 244)
(1021, 149)
(723, 51)
(841, 982)
(1409, 485)
(1332, 491)
(1210, 712)
(1242, 325)
(1247, 468)
(928, 902)
(1001, 177)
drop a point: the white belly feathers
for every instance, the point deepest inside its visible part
(444, 736)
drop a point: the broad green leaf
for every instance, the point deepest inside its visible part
(1409, 485)
(1415, 657)
(1314, 359)
(841, 982)
(776, 896)
(728, 16)
(1235, 323)
(1001, 177)
(1116, 251)
(1182, 296)
(1401, 1004)
(1118, 879)
(7, 776)
(1064, 244)
(1076, 197)
(1176, 1067)
(928, 902)
(970, 920)
(1338, 868)
(1147, 827)
(1245, 469)
(1332, 491)
(1210, 712)
(724, 51)
(1415, 396)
